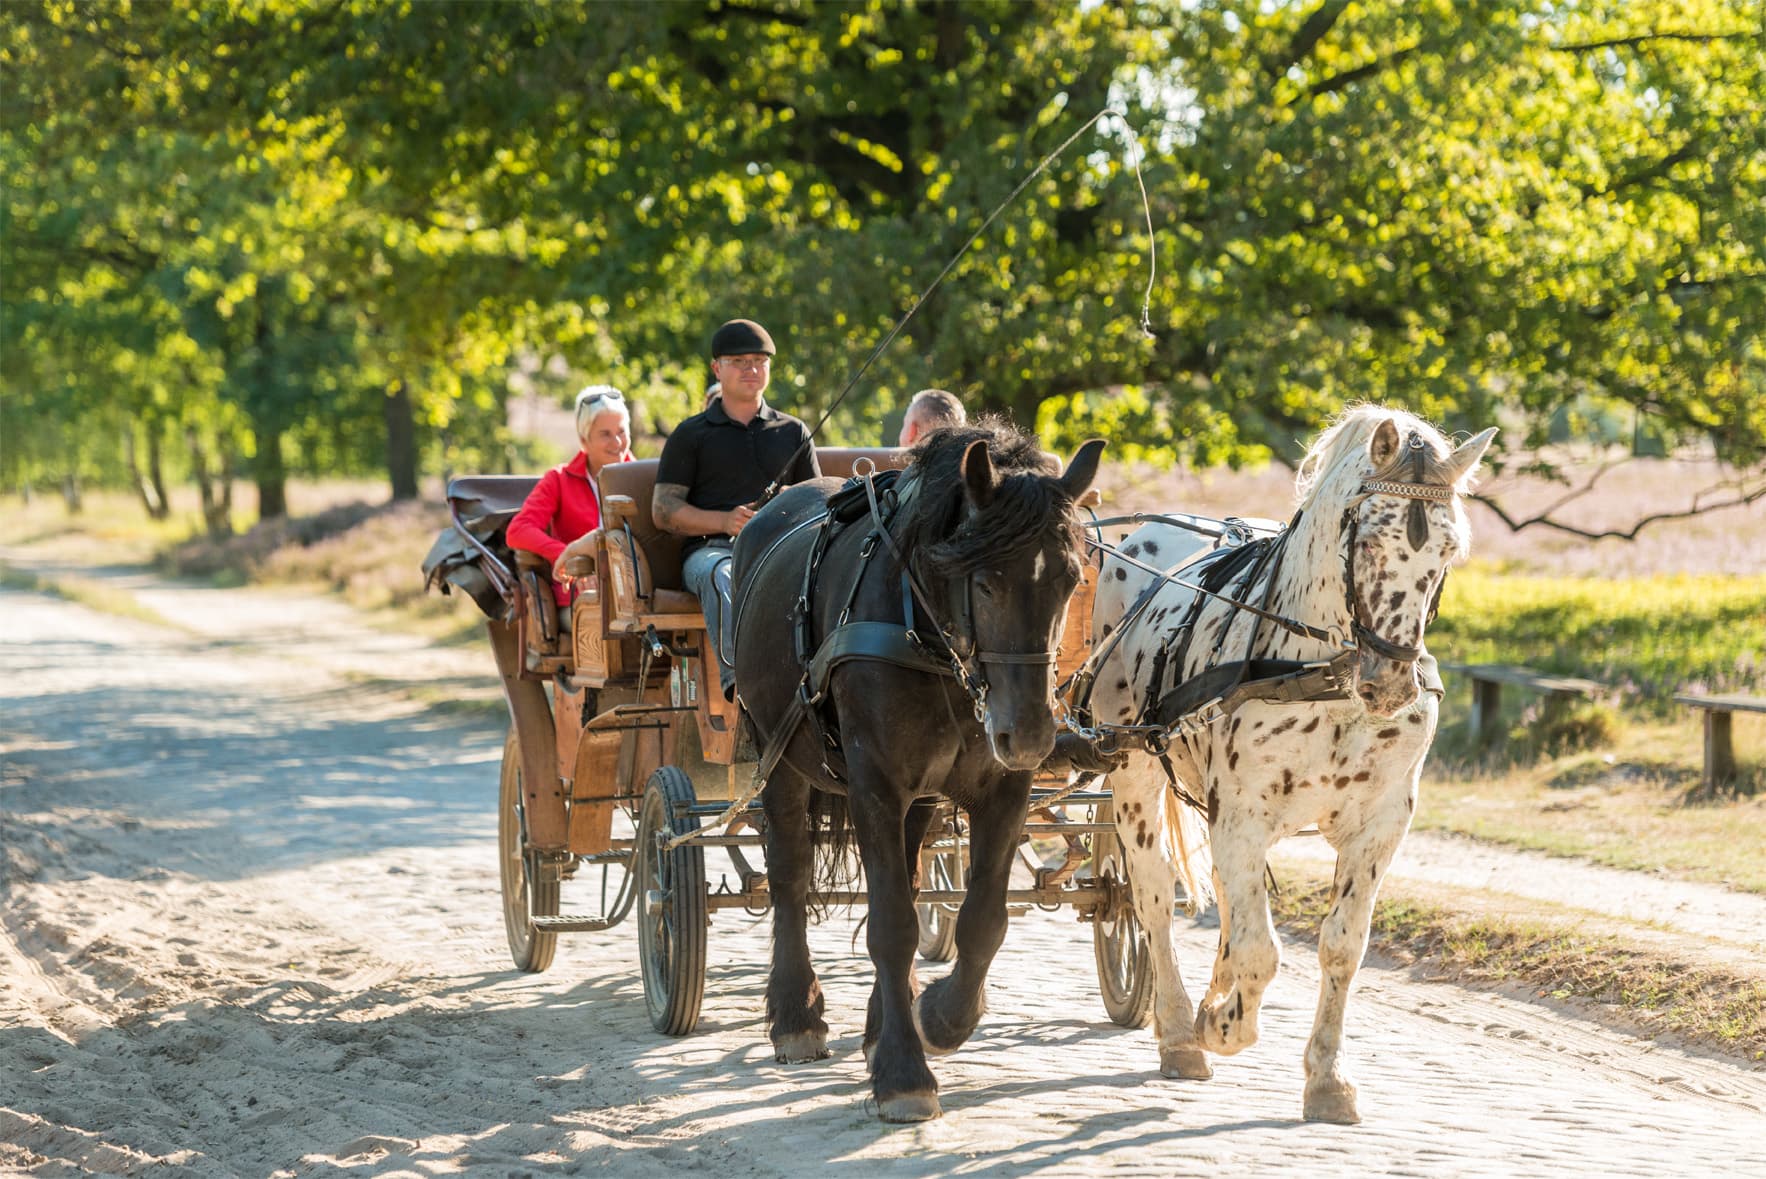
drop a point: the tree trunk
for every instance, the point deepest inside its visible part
(269, 472)
(401, 442)
(269, 421)
(149, 484)
(156, 471)
(70, 491)
(217, 503)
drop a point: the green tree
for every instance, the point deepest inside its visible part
(363, 213)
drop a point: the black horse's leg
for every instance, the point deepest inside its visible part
(794, 1001)
(919, 821)
(950, 1008)
(900, 1081)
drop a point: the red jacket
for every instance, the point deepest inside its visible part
(565, 505)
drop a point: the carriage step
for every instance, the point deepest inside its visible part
(569, 923)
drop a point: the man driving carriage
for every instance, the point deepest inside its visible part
(715, 466)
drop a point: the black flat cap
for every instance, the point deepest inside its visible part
(740, 337)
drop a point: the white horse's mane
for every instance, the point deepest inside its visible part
(1331, 474)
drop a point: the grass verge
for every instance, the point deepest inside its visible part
(1644, 637)
(1637, 803)
(105, 599)
(1637, 985)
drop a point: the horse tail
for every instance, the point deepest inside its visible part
(831, 835)
(1191, 851)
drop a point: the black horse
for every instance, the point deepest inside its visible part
(938, 681)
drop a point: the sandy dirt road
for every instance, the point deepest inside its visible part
(249, 925)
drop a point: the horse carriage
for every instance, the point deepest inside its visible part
(1239, 689)
(624, 764)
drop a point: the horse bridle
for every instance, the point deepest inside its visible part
(1416, 531)
(965, 648)
(968, 659)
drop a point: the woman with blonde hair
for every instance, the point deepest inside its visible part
(565, 506)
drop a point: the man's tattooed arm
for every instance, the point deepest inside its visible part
(672, 513)
(665, 503)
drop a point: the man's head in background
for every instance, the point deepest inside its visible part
(931, 409)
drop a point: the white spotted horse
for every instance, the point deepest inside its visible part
(894, 645)
(1298, 693)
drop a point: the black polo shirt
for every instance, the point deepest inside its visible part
(723, 463)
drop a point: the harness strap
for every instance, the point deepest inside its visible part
(1244, 562)
(1416, 524)
(1278, 680)
(1332, 635)
(793, 719)
(1171, 780)
(1024, 659)
(1385, 648)
(1079, 684)
(1230, 528)
(885, 642)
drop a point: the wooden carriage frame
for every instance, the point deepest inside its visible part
(618, 709)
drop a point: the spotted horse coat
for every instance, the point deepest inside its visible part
(1388, 484)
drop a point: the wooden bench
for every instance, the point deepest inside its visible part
(1487, 682)
(1719, 738)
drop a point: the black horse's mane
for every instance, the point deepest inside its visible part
(1029, 505)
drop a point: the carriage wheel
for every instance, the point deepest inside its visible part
(938, 922)
(672, 913)
(1125, 967)
(527, 892)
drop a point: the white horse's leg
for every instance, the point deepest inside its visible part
(1138, 801)
(1248, 955)
(1363, 856)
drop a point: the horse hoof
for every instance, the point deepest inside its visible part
(909, 1107)
(927, 1043)
(1332, 1102)
(1222, 1035)
(800, 1047)
(1184, 1064)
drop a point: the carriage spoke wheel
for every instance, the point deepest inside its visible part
(938, 922)
(672, 911)
(1125, 967)
(528, 892)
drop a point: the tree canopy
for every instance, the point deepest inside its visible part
(309, 226)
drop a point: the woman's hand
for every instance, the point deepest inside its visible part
(583, 546)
